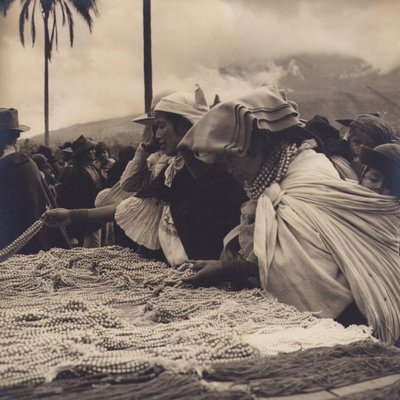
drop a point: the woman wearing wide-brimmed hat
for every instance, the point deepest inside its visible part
(24, 194)
(313, 240)
(175, 216)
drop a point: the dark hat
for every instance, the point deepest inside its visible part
(347, 121)
(9, 120)
(81, 144)
(386, 159)
(344, 122)
(320, 126)
(66, 145)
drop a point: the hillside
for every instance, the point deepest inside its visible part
(336, 86)
(112, 131)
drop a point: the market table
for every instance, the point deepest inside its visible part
(106, 323)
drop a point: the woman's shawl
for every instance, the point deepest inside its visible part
(358, 228)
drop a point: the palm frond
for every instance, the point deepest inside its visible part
(70, 23)
(84, 9)
(33, 27)
(5, 6)
(61, 2)
(23, 16)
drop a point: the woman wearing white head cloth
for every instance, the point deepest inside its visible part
(196, 213)
(313, 240)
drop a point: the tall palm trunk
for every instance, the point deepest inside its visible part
(148, 79)
(46, 79)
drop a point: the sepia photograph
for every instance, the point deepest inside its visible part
(200, 199)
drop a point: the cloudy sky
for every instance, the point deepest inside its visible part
(102, 75)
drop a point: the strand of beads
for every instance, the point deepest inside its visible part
(21, 240)
(273, 170)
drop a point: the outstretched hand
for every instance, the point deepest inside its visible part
(208, 273)
(57, 216)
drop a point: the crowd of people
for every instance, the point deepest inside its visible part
(245, 190)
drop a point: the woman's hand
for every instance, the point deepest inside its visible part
(208, 273)
(58, 216)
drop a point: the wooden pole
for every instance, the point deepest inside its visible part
(148, 77)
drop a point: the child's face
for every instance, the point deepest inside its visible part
(375, 180)
(358, 138)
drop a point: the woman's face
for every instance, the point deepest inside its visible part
(167, 134)
(358, 138)
(243, 169)
(375, 181)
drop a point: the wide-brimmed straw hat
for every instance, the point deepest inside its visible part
(147, 118)
(81, 144)
(9, 121)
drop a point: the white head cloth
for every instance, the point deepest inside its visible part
(188, 105)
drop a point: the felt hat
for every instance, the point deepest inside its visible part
(81, 144)
(347, 121)
(9, 121)
(386, 159)
(320, 126)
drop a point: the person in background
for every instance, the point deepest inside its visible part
(381, 171)
(104, 161)
(365, 130)
(124, 156)
(175, 216)
(80, 184)
(46, 171)
(24, 193)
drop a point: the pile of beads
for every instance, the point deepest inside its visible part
(107, 310)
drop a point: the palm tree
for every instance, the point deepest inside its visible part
(48, 9)
(148, 83)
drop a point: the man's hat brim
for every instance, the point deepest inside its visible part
(378, 160)
(144, 119)
(87, 146)
(344, 122)
(18, 128)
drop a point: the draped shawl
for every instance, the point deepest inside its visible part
(347, 223)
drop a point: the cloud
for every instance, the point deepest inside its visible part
(193, 42)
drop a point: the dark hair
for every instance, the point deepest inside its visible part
(390, 180)
(267, 140)
(7, 137)
(177, 120)
(100, 147)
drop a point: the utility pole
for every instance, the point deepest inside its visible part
(148, 75)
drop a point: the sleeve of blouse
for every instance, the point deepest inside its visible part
(136, 174)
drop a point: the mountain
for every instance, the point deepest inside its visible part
(335, 86)
(111, 131)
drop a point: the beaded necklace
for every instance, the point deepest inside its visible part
(273, 169)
